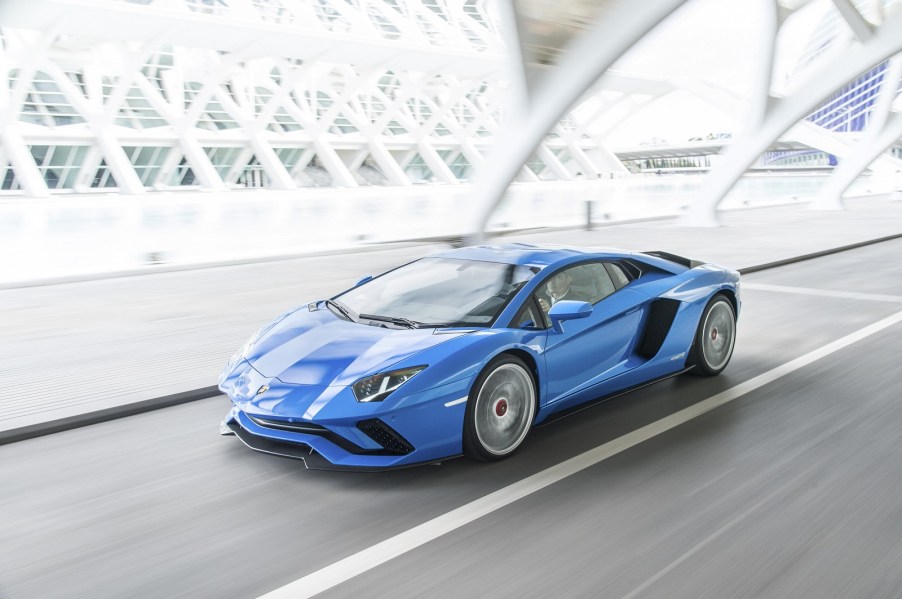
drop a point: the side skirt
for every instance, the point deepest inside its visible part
(555, 416)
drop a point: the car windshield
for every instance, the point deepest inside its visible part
(438, 292)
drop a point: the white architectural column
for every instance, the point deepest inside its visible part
(585, 60)
(24, 166)
(609, 163)
(244, 156)
(88, 168)
(356, 160)
(438, 166)
(117, 161)
(883, 130)
(341, 176)
(390, 168)
(183, 126)
(551, 161)
(266, 156)
(254, 127)
(851, 168)
(826, 141)
(101, 118)
(783, 113)
(473, 154)
(197, 159)
(589, 169)
(168, 168)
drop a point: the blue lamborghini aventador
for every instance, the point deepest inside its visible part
(464, 351)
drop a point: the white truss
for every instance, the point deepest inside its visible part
(846, 39)
(852, 39)
(327, 93)
(144, 95)
(544, 101)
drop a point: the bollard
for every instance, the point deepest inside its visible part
(588, 215)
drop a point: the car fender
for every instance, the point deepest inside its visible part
(464, 357)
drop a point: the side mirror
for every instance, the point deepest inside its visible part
(568, 310)
(365, 279)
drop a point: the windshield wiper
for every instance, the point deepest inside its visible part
(400, 321)
(343, 310)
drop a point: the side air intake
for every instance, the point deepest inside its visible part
(660, 319)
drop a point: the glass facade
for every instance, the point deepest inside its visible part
(223, 160)
(147, 162)
(8, 181)
(59, 165)
(44, 103)
(179, 112)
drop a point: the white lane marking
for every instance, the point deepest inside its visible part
(456, 402)
(873, 297)
(371, 557)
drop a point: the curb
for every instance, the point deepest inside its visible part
(114, 413)
(149, 405)
(812, 256)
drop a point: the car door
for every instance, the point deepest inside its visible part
(587, 351)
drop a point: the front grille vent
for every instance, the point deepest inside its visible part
(309, 428)
(295, 427)
(385, 436)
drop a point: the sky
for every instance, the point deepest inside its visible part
(715, 41)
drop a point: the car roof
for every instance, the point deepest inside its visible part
(529, 254)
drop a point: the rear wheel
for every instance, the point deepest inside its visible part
(714, 338)
(500, 409)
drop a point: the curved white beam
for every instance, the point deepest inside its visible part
(584, 62)
(784, 113)
(882, 131)
(849, 169)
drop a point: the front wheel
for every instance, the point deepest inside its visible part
(500, 409)
(714, 338)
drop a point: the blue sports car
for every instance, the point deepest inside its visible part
(464, 351)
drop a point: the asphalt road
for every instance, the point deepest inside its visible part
(792, 490)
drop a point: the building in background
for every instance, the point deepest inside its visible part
(147, 95)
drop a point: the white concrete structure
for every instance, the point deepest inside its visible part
(144, 95)
(845, 43)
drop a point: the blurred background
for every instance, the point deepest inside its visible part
(137, 133)
(175, 173)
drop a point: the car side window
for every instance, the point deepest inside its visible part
(583, 283)
(528, 317)
(617, 275)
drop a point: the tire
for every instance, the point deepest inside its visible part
(715, 337)
(500, 410)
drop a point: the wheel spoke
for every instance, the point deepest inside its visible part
(718, 335)
(504, 409)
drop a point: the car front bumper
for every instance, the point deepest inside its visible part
(425, 430)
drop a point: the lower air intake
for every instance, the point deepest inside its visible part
(385, 436)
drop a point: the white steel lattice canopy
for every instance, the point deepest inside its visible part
(141, 95)
(154, 94)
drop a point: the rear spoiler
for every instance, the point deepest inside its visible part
(674, 258)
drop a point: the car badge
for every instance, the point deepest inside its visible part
(262, 389)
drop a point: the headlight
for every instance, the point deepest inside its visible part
(380, 386)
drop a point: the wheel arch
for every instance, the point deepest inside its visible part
(472, 445)
(730, 294)
(530, 361)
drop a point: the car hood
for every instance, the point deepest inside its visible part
(315, 347)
